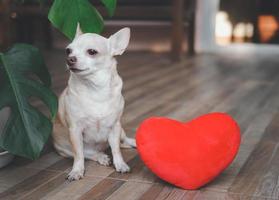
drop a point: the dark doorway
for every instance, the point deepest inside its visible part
(255, 21)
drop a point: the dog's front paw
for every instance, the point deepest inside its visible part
(75, 175)
(121, 167)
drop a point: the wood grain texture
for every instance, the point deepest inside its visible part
(103, 189)
(243, 84)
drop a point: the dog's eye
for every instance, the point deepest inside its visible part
(92, 52)
(68, 51)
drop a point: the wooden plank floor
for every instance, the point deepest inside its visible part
(244, 84)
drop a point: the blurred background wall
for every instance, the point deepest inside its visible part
(175, 26)
(253, 21)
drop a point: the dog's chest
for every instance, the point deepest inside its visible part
(99, 122)
(94, 110)
(104, 113)
(97, 117)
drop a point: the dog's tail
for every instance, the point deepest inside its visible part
(127, 142)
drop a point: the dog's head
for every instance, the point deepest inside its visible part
(91, 52)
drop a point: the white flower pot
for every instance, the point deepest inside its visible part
(5, 158)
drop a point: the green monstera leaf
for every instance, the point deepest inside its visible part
(110, 5)
(23, 75)
(66, 14)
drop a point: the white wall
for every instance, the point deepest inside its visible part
(205, 25)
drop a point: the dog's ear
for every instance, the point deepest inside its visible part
(78, 31)
(119, 41)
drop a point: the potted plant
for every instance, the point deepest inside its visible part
(5, 157)
(23, 74)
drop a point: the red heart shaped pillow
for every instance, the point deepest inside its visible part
(191, 154)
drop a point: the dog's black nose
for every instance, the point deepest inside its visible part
(71, 60)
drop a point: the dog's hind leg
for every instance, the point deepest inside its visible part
(65, 152)
(95, 155)
(127, 142)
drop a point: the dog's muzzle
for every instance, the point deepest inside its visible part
(71, 61)
(76, 70)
